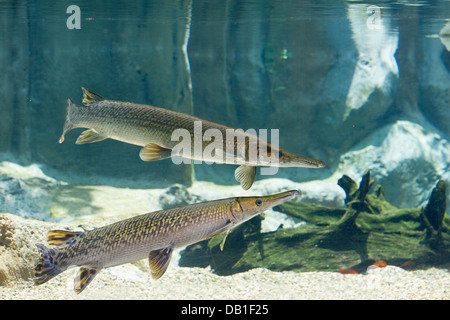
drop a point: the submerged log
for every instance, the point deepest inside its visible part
(433, 217)
(435, 210)
(367, 230)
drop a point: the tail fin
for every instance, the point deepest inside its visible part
(45, 269)
(67, 124)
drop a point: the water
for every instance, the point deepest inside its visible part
(360, 85)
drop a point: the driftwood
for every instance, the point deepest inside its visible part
(369, 229)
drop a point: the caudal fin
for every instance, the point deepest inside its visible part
(67, 124)
(45, 268)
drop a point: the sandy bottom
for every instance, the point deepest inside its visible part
(130, 282)
(97, 205)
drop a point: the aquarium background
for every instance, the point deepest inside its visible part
(359, 85)
(334, 78)
(314, 70)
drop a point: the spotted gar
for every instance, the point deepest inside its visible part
(153, 128)
(154, 235)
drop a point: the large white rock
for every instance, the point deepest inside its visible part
(434, 79)
(28, 192)
(444, 35)
(404, 158)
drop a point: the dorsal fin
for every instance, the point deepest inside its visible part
(62, 237)
(90, 97)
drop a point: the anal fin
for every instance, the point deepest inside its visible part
(89, 136)
(159, 261)
(245, 175)
(153, 152)
(84, 276)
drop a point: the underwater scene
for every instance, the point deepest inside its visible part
(172, 150)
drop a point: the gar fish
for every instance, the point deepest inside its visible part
(152, 128)
(154, 235)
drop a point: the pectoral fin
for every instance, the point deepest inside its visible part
(223, 241)
(84, 276)
(226, 228)
(245, 175)
(152, 152)
(89, 136)
(159, 261)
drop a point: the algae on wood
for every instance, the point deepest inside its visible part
(368, 229)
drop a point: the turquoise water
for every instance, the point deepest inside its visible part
(261, 65)
(359, 85)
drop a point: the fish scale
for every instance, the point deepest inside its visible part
(158, 229)
(153, 235)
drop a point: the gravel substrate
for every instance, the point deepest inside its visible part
(99, 205)
(130, 282)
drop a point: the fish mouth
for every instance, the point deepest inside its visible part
(279, 198)
(319, 164)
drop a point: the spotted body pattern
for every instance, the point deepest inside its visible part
(153, 235)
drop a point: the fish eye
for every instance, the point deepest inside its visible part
(258, 202)
(280, 154)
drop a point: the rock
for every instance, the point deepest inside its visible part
(175, 196)
(403, 157)
(444, 36)
(18, 253)
(434, 85)
(24, 190)
(325, 192)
